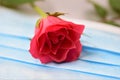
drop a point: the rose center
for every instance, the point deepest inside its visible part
(57, 36)
(60, 37)
(57, 39)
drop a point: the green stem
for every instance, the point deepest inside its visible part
(38, 10)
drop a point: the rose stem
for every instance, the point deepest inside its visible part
(39, 10)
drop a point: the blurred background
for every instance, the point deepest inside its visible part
(80, 9)
(106, 11)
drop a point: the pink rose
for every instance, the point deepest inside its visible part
(56, 40)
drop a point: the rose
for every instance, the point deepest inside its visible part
(56, 40)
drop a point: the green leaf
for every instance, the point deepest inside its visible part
(115, 4)
(101, 11)
(15, 3)
(113, 23)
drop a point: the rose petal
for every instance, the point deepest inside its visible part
(36, 30)
(74, 35)
(49, 21)
(44, 58)
(60, 56)
(46, 47)
(36, 44)
(56, 27)
(41, 40)
(34, 50)
(79, 29)
(39, 29)
(58, 35)
(56, 39)
(73, 54)
(55, 47)
(67, 43)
